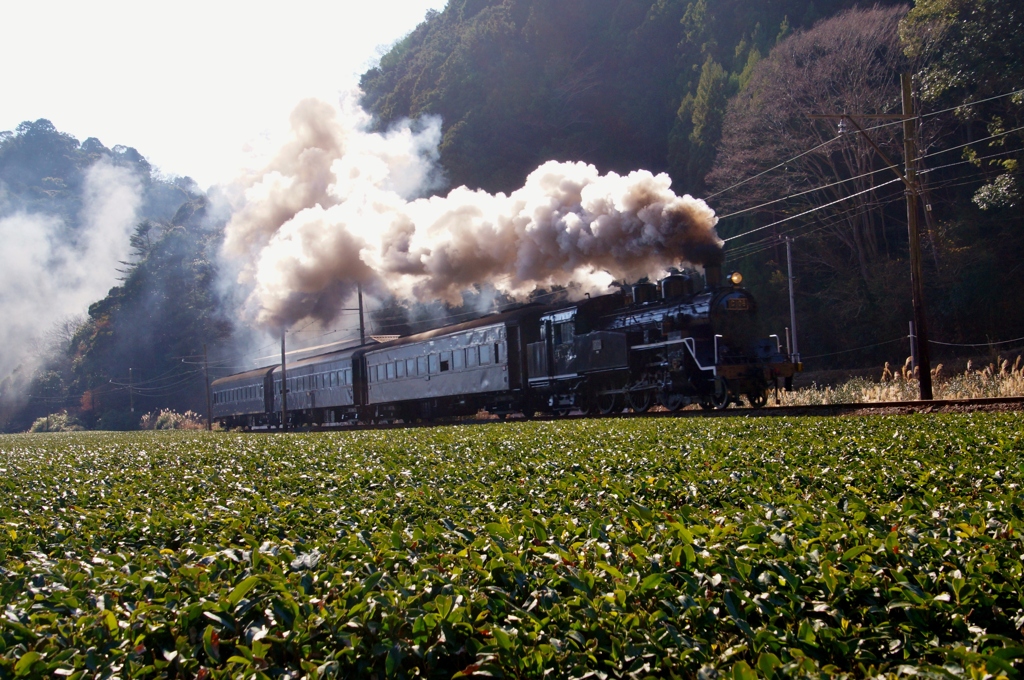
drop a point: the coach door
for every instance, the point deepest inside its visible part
(514, 359)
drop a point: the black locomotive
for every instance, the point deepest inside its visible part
(673, 343)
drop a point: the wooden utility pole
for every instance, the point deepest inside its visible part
(206, 376)
(909, 177)
(910, 156)
(131, 391)
(795, 358)
(284, 386)
(362, 327)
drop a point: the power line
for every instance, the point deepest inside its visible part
(976, 344)
(856, 349)
(874, 172)
(974, 103)
(812, 210)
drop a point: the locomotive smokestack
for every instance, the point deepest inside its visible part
(713, 275)
(338, 207)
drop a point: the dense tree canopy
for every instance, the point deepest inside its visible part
(618, 83)
(43, 169)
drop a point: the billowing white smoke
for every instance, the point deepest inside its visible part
(49, 271)
(339, 206)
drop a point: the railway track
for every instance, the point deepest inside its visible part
(987, 404)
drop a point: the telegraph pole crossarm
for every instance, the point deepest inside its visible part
(892, 166)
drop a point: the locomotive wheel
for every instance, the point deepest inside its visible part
(640, 400)
(720, 395)
(758, 399)
(671, 401)
(609, 403)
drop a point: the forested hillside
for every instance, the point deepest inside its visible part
(618, 83)
(719, 94)
(78, 218)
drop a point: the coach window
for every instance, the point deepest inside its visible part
(485, 355)
(472, 356)
(400, 368)
(410, 367)
(446, 361)
(497, 352)
(348, 376)
(421, 365)
(433, 364)
(458, 359)
(391, 370)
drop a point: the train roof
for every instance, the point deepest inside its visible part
(248, 375)
(327, 356)
(489, 320)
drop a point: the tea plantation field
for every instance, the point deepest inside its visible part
(605, 549)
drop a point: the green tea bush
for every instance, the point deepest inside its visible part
(847, 547)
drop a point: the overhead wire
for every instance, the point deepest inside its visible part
(771, 241)
(874, 172)
(855, 349)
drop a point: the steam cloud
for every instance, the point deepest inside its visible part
(49, 271)
(339, 206)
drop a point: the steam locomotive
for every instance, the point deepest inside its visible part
(673, 343)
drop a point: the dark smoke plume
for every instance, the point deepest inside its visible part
(339, 206)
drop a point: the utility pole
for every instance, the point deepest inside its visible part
(362, 327)
(792, 305)
(131, 394)
(909, 177)
(206, 376)
(910, 156)
(284, 385)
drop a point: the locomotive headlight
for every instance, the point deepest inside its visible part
(736, 278)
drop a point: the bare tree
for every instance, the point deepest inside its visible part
(849, 64)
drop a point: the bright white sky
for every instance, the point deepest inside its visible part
(191, 84)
